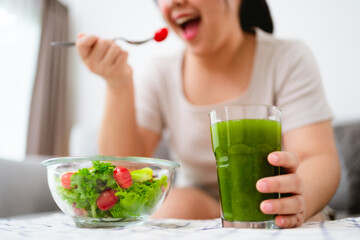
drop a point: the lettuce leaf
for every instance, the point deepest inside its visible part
(142, 175)
(139, 199)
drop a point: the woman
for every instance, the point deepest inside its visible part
(230, 57)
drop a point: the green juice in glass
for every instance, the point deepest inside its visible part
(241, 148)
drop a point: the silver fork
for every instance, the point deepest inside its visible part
(159, 36)
(71, 44)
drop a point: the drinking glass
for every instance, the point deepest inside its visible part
(242, 137)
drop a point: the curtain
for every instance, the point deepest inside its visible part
(47, 130)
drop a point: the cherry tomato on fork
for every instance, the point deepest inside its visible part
(161, 34)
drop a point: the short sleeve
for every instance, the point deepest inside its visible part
(147, 98)
(300, 94)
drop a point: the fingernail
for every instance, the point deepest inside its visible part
(274, 158)
(80, 35)
(263, 186)
(267, 207)
(281, 221)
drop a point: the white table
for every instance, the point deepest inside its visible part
(59, 226)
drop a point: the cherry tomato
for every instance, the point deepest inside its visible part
(107, 200)
(123, 177)
(161, 34)
(66, 181)
(79, 211)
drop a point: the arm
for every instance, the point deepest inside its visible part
(310, 156)
(119, 135)
(313, 173)
(319, 163)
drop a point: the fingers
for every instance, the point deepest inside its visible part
(103, 57)
(287, 183)
(290, 210)
(290, 221)
(122, 58)
(94, 50)
(283, 206)
(85, 45)
(286, 160)
(113, 54)
(100, 49)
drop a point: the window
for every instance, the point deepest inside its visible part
(20, 31)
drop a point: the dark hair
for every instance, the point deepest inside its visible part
(255, 13)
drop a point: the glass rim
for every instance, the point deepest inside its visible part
(243, 106)
(157, 161)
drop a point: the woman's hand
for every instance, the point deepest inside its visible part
(105, 58)
(291, 209)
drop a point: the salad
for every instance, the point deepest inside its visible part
(107, 191)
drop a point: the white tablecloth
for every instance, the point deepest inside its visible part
(59, 226)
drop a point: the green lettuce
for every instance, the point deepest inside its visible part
(142, 175)
(139, 199)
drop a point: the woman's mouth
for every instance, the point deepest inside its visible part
(189, 25)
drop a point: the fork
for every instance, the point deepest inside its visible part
(159, 36)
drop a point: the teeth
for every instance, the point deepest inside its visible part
(185, 19)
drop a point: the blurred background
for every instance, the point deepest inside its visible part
(47, 95)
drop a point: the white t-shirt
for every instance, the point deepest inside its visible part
(285, 74)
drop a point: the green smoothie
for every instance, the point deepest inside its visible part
(241, 148)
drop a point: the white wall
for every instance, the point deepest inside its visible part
(135, 19)
(332, 30)
(330, 27)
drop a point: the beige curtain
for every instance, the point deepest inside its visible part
(47, 130)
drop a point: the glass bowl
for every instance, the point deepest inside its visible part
(101, 191)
